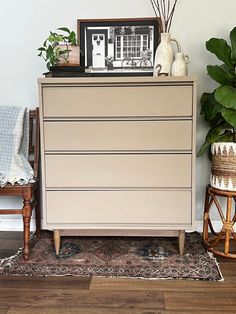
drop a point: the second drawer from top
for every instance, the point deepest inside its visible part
(118, 135)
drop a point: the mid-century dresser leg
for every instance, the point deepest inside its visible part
(181, 242)
(57, 240)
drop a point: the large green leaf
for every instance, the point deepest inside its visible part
(226, 95)
(221, 49)
(64, 29)
(230, 116)
(72, 39)
(214, 135)
(49, 52)
(227, 137)
(210, 107)
(203, 148)
(220, 75)
(233, 43)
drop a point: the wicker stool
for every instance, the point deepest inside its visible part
(227, 231)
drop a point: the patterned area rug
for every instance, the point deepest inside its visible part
(149, 258)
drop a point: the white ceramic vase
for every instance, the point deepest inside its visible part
(164, 55)
(179, 67)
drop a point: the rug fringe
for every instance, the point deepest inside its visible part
(7, 261)
(211, 255)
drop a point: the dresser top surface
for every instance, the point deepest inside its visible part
(139, 79)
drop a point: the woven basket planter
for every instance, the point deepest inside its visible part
(223, 171)
(73, 57)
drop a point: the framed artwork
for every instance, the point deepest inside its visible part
(117, 47)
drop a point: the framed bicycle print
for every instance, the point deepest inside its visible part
(117, 47)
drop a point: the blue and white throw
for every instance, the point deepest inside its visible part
(14, 144)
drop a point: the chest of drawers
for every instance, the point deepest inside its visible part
(118, 156)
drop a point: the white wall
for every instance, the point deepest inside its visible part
(25, 24)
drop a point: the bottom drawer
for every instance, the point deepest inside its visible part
(119, 207)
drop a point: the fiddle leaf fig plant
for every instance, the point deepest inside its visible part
(57, 46)
(219, 107)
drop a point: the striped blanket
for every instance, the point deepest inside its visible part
(14, 143)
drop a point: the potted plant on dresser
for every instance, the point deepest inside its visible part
(60, 49)
(219, 111)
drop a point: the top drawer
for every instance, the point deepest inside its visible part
(116, 101)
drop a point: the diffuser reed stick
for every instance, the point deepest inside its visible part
(164, 10)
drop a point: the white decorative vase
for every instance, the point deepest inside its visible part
(179, 67)
(223, 172)
(164, 55)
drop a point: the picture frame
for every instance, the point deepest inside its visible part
(118, 47)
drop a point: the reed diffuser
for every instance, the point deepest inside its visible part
(164, 10)
(164, 56)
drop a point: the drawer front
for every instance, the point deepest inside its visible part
(117, 101)
(165, 170)
(118, 135)
(117, 207)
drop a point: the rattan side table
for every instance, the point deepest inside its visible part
(228, 220)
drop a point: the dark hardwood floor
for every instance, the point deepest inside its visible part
(108, 295)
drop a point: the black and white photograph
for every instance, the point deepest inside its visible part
(111, 47)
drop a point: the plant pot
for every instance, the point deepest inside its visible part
(73, 57)
(223, 171)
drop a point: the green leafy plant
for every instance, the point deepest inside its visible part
(219, 107)
(56, 46)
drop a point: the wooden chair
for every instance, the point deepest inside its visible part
(29, 192)
(228, 219)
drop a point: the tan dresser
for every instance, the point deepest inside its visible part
(118, 156)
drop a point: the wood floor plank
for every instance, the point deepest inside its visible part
(201, 301)
(228, 268)
(66, 310)
(24, 282)
(11, 235)
(10, 243)
(160, 285)
(147, 300)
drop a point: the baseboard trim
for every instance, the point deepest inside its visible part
(14, 224)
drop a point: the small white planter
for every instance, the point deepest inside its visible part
(223, 171)
(73, 57)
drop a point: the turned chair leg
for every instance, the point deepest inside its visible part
(26, 214)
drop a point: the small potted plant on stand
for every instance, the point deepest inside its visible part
(219, 110)
(60, 49)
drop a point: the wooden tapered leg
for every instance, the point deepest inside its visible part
(181, 242)
(57, 240)
(26, 214)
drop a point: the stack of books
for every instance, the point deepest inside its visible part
(66, 71)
